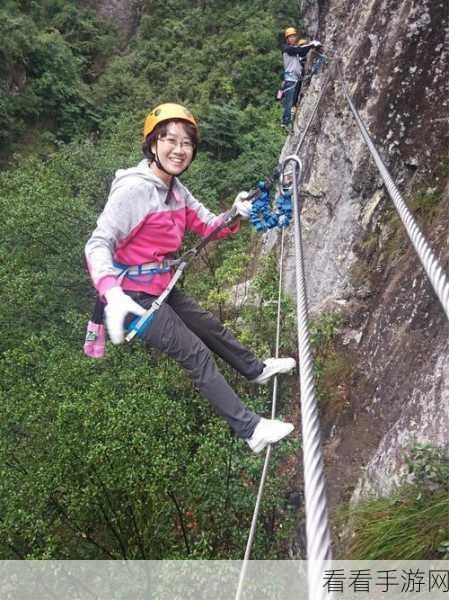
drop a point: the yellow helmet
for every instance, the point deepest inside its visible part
(166, 112)
(290, 31)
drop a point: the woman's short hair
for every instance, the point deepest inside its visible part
(161, 130)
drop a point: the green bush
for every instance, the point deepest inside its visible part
(412, 523)
(49, 51)
(121, 459)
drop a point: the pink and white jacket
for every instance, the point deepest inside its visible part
(140, 224)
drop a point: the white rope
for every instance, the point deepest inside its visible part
(317, 526)
(435, 272)
(268, 452)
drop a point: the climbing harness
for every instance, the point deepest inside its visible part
(140, 271)
(140, 324)
(285, 86)
(261, 215)
(289, 84)
(95, 341)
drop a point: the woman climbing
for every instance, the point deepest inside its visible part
(128, 255)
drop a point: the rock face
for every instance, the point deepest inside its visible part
(124, 14)
(395, 58)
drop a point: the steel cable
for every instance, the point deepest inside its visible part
(432, 266)
(317, 525)
(318, 535)
(312, 116)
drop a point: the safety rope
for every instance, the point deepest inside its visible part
(268, 452)
(317, 528)
(317, 525)
(432, 266)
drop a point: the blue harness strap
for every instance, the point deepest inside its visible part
(140, 271)
(139, 325)
(144, 272)
(140, 330)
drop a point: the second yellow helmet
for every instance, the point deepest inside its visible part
(290, 31)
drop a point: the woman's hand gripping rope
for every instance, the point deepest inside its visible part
(242, 205)
(118, 306)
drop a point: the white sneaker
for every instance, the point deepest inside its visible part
(268, 431)
(273, 366)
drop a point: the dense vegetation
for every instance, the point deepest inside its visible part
(412, 523)
(122, 458)
(50, 53)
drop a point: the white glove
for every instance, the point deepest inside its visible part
(242, 206)
(117, 307)
(315, 43)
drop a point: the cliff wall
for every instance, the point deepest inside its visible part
(358, 259)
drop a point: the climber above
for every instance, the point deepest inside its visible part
(294, 53)
(128, 254)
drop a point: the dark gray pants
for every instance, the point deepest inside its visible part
(183, 330)
(289, 99)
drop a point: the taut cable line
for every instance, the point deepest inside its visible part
(317, 523)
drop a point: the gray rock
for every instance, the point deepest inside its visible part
(394, 60)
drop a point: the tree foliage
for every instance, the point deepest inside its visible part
(122, 458)
(49, 52)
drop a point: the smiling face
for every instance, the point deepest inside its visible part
(174, 150)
